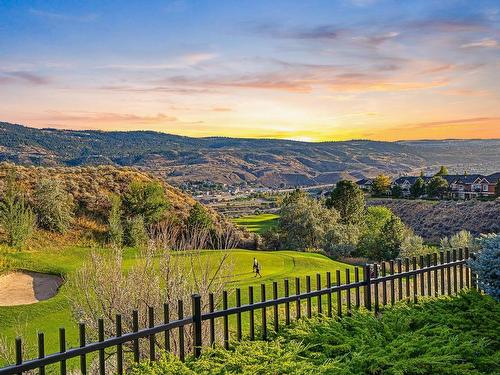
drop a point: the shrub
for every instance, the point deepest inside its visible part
(446, 336)
(487, 265)
(459, 240)
(53, 206)
(413, 246)
(16, 218)
(115, 221)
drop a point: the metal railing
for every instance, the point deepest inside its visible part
(427, 276)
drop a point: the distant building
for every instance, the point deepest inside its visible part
(365, 184)
(459, 186)
(406, 182)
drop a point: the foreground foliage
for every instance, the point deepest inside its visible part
(447, 336)
(486, 264)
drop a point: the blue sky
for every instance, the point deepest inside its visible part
(310, 70)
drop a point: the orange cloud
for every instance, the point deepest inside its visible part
(101, 119)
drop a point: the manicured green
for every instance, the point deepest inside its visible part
(48, 316)
(258, 223)
(449, 335)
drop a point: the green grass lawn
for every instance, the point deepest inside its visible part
(47, 316)
(257, 223)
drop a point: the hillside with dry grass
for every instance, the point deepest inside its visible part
(91, 186)
(433, 220)
(268, 162)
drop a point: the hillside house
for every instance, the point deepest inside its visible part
(365, 184)
(460, 186)
(406, 182)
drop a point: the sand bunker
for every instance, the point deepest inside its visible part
(24, 288)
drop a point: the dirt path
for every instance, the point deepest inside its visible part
(24, 288)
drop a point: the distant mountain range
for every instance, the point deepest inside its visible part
(267, 162)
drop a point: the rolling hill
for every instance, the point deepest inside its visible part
(267, 162)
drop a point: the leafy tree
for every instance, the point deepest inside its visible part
(391, 238)
(418, 188)
(486, 265)
(443, 171)
(115, 221)
(396, 191)
(381, 185)
(304, 221)
(349, 200)
(53, 206)
(146, 199)
(137, 235)
(437, 187)
(199, 217)
(382, 235)
(272, 238)
(497, 189)
(16, 218)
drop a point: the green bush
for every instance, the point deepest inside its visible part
(452, 335)
(53, 206)
(16, 218)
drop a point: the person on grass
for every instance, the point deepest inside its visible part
(256, 267)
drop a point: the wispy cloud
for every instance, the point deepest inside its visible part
(296, 32)
(23, 77)
(461, 121)
(178, 62)
(104, 118)
(89, 17)
(483, 43)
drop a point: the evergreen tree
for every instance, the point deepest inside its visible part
(396, 191)
(418, 188)
(115, 221)
(16, 218)
(349, 200)
(146, 199)
(199, 217)
(437, 187)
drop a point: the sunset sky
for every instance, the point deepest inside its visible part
(306, 70)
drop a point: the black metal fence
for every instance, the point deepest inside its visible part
(433, 275)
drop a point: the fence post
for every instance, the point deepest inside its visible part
(197, 337)
(473, 276)
(368, 286)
